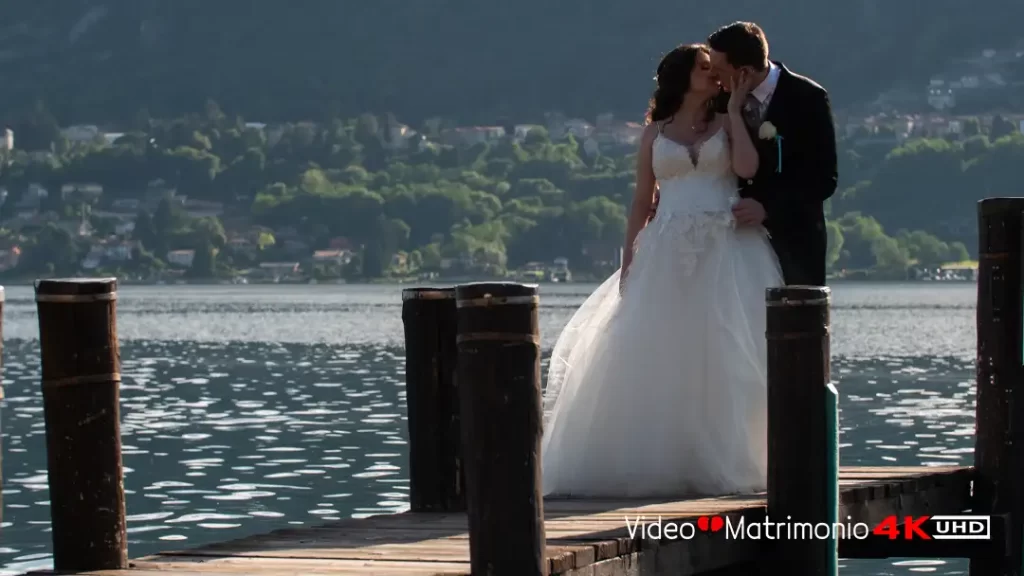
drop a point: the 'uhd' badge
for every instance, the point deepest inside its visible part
(960, 527)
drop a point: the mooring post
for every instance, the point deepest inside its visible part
(999, 420)
(500, 387)
(435, 439)
(81, 375)
(803, 429)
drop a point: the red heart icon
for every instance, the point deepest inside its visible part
(717, 523)
(702, 523)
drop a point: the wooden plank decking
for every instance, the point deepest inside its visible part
(585, 537)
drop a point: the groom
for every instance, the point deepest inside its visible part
(790, 120)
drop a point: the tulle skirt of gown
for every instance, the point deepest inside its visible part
(661, 390)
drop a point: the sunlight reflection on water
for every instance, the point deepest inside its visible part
(246, 409)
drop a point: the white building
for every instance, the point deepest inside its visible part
(940, 95)
(521, 130)
(181, 257)
(81, 133)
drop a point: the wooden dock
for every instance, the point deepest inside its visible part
(474, 400)
(584, 537)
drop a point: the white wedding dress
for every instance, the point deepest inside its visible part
(661, 391)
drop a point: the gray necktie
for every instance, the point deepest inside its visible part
(752, 111)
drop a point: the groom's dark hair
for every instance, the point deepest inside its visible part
(743, 44)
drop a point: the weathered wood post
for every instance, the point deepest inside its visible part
(435, 439)
(803, 429)
(500, 387)
(81, 375)
(999, 421)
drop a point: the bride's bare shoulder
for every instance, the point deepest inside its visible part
(647, 138)
(650, 132)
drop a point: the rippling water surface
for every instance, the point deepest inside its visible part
(246, 409)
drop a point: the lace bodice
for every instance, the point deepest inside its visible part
(697, 181)
(672, 160)
(697, 192)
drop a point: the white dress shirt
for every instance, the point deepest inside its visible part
(766, 88)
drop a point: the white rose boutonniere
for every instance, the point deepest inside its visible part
(767, 131)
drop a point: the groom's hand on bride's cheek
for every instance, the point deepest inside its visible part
(748, 212)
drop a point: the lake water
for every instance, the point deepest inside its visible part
(250, 408)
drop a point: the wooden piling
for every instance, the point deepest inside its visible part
(500, 388)
(81, 375)
(803, 430)
(998, 461)
(435, 442)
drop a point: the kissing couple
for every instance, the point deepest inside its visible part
(657, 386)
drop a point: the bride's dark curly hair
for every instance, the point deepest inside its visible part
(673, 78)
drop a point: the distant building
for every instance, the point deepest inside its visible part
(940, 95)
(81, 133)
(9, 258)
(472, 135)
(338, 257)
(181, 257)
(7, 143)
(578, 128)
(90, 190)
(521, 130)
(981, 80)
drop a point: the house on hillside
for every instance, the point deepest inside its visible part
(126, 205)
(472, 135)
(521, 130)
(109, 252)
(7, 141)
(986, 80)
(9, 258)
(81, 227)
(332, 257)
(31, 200)
(578, 128)
(81, 133)
(244, 246)
(85, 190)
(181, 258)
(608, 132)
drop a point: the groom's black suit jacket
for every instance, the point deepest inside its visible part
(794, 198)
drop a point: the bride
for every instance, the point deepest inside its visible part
(657, 386)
